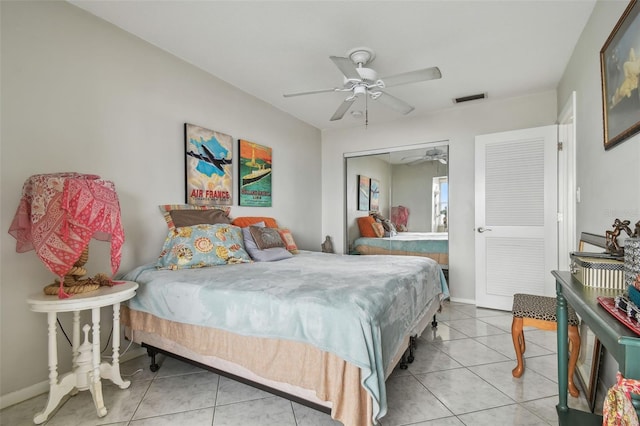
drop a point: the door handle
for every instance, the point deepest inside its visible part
(482, 229)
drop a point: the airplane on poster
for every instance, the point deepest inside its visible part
(210, 158)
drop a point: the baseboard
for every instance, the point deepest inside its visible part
(23, 394)
(43, 387)
(460, 300)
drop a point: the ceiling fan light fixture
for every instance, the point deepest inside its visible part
(359, 90)
(356, 113)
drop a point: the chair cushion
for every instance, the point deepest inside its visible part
(539, 307)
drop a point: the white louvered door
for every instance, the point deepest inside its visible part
(515, 215)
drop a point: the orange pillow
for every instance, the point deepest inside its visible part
(245, 221)
(289, 242)
(366, 228)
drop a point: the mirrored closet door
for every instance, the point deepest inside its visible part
(407, 191)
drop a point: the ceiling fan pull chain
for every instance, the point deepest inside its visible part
(366, 111)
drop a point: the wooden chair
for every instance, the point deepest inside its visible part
(540, 312)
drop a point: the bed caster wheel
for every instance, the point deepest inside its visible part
(403, 366)
(154, 367)
(410, 359)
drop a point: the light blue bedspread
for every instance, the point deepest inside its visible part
(357, 307)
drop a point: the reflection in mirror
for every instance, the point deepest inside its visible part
(413, 202)
(420, 182)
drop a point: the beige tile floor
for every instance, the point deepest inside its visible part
(461, 376)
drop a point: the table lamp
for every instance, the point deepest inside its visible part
(58, 215)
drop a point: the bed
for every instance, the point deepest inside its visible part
(434, 245)
(322, 329)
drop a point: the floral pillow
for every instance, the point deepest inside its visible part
(202, 245)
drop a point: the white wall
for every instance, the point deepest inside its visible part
(459, 125)
(79, 94)
(609, 181)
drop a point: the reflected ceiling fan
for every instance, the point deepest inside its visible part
(433, 154)
(359, 80)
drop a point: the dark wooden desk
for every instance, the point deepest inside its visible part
(621, 343)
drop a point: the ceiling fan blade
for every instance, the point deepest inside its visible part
(412, 158)
(412, 77)
(395, 103)
(312, 92)
(346, 66)
(414, 162)
(343, 108)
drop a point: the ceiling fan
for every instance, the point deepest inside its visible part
(433, 154)
(359, 80)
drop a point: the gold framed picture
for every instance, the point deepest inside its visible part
(620, 71)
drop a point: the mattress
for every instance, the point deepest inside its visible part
(434, 245)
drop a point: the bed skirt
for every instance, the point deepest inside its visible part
(296, 368)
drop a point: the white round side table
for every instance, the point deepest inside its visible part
(87, 371)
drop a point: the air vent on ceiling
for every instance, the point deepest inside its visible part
(469, 98)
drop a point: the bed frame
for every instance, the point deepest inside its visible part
(153, 351)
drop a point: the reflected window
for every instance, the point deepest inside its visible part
(440, 197)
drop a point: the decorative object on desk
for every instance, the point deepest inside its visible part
(327, 246)
(588, 365)
(58, 215)
(598, 270)
(610, 305)
(620, 70)
(618, 409)
(632, 258)
(255, 168)
(612, 236)
(634, 295)
(208, 166)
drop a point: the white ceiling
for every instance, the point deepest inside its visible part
(268, 48)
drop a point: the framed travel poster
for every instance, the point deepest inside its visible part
(374, 195)
(208, 166)
(363, 192)
(255, 174)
